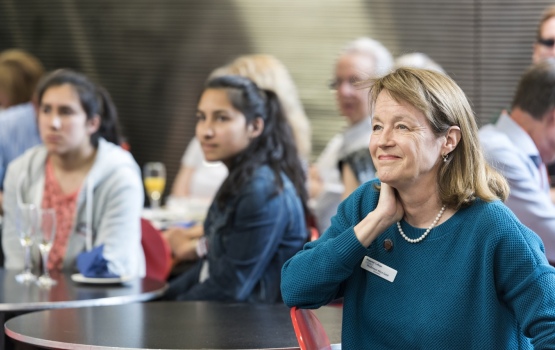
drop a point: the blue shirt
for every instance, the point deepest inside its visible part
(480, 280)
(18, 132)
(509, 149)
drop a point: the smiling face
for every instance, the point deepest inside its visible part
(63, 124)
(221, 129)
(404, 149)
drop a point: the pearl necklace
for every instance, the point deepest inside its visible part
(416, 240)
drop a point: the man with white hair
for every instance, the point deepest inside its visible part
(360, 59)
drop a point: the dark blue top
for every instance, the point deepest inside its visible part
(248, 242)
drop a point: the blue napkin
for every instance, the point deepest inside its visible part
(184, 224)
(93, 265)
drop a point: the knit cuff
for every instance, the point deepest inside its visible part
(348, 248)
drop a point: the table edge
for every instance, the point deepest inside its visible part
(107, 301)
(72, 346)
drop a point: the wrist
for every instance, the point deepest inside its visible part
(369, 228)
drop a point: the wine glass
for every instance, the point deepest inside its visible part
(154, 177)
(47, 232)
(26, 221)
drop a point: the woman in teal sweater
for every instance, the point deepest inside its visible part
(427, 257)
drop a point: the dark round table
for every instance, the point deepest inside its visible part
(167, 325)
(17, 298)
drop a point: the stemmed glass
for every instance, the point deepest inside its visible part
(26, 222)
(47, 232)
(154, 177)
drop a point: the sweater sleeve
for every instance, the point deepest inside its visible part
(530, 203)
(13, 252)
(526, 283)
(314, 276)
(119, 227)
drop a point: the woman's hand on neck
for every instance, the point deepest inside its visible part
(388, 211)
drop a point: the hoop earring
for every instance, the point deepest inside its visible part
(445, 156)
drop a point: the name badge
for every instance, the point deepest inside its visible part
(378, 269)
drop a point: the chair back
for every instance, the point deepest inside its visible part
(157, 252)
(310, 333)
(314, 233)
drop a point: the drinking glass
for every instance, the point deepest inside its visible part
(154, 176)
(26, 222)
(47, 232)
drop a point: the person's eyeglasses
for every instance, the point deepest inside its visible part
(546, 42)
(336, 83)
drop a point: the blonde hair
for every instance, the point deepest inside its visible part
(546, 15)
(270, 74)
(19, 75)
(465, 175)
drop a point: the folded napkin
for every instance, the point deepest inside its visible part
(93, 265)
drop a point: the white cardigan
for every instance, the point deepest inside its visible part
(108, 209)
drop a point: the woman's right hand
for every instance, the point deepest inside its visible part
(389, 206)
(183, 242)
(388, 211)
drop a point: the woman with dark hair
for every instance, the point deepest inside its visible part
(257, 220)
(82, 172)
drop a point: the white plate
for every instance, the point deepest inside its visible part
(77, 277)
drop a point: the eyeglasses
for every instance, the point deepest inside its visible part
(337, 82)
(546, 42)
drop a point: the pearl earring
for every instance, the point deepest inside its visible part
(445, 156)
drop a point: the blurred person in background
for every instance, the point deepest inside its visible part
(544, 47)
(198, 177)
(417, 60)
(257, 220)
(81, 172)
(521, 143)
(357, 167)
(19, 74)
(360, 59)
(269, 73)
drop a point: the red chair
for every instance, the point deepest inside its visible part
(314, 233)
(158, 254)
(310, 333)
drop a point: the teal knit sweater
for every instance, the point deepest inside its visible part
(480, 280)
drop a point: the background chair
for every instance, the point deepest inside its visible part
(310, 333)
(158, 255)
(314, 233)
